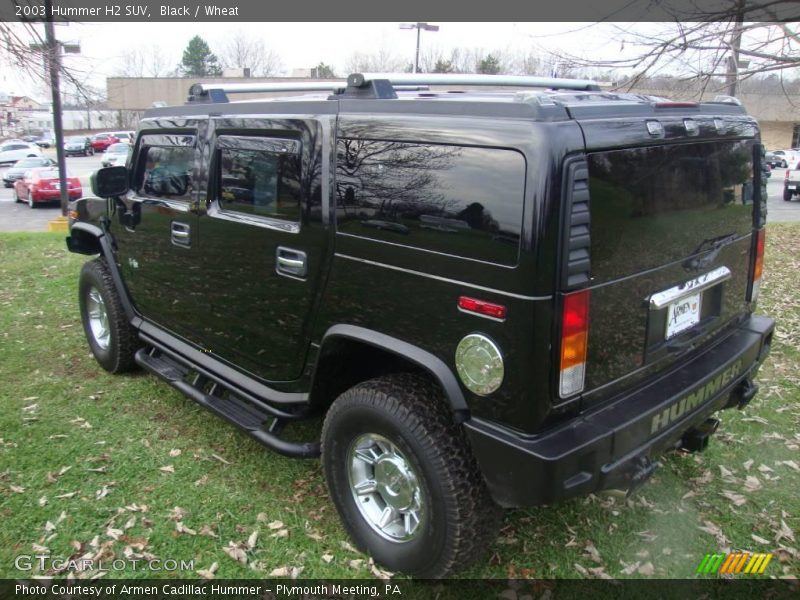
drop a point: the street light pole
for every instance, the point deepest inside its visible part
(419, 27)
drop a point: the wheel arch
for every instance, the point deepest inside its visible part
(350, 354)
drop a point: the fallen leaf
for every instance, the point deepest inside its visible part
(220, 459)
(181, 528)
(114, 533)
(748, 464)
(167, 469)
(16, 489)
(67, 495)
(40, 549)
(98, 470)
(737, 499)
(48, 527)
(175, 452)
(102, 492)
(752, 483)
(129, 523)
(765, 469)
(592, 553)
(261, 517)
(281, 533)
(275, 525)
(355, 563)
(327, 557)
(647, 569)
(202, 481)
(177, 513)
(348, 546)
(252, 540)
(236, 552)
(760, 540)
(792, 464)
(784, 532)
(42, 500)
(629, 567)
(209, 572)
(206, 530)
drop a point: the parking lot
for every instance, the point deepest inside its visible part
(18, 217)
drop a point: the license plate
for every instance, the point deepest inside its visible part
(683, 314)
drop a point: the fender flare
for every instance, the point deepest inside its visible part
(107, 252)
(434, 365)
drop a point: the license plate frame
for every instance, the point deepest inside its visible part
(683, 314)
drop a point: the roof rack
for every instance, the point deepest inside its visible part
(382, 85)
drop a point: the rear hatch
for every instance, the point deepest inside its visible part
(671, 223)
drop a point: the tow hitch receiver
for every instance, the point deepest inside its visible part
(642, 471)
(696, 439)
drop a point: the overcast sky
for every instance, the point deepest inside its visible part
(304, 45)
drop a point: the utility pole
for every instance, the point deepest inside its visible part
(54, 65)
(736, 44)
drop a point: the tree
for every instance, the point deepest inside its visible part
(198, 60)
(323, 71)
(150, 61)
(715, 49)
(443, 66)
(382, 60)
(490, 65)
(243, 52)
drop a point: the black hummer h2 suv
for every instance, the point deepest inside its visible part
(494, 298)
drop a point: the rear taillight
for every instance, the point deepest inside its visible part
(758, 265)
(574, 338)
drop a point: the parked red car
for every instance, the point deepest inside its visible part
(41, 185)
(101, 141)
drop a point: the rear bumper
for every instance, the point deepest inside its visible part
(601, 448)
(53, 195)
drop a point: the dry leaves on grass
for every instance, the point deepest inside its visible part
(736, 499)
(167, 469)
(715, 530)
(181, 528)
(174, 452)
(237, 551)
(209, 572)
(290, 572)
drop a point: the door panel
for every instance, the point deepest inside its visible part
(263, 244)
(155, 228)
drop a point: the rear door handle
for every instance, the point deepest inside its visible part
(181, 234)
(289, 262)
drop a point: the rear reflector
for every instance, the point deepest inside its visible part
(487, 309)
(574, 338)
(758, 265)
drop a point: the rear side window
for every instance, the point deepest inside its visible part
(166, 172)
(259, 178)
(456, 200)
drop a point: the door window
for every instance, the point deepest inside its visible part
(165, 172)
(261, 182)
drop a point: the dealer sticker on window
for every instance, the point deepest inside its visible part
(683, 314)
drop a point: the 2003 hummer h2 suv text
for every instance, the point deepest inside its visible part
(494, 298)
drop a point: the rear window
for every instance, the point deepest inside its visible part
(457, 200)
(655, 205)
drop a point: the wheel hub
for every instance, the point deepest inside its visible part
(385, 488)
(98, 318)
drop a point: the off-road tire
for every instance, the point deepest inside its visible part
(123, 342)
(787, 194)
(461, 520)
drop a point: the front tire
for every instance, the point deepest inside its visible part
(111, 338)
(403, 478)
(31, 203)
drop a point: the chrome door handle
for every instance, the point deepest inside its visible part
(180, 234)
(292, 263)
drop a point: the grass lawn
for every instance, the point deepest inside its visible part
(104, 466)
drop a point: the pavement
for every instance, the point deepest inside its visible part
(18, 217)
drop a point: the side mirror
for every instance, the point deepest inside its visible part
(110, 181)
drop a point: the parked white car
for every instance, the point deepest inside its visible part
(11, 152)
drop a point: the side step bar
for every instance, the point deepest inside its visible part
(218, 399)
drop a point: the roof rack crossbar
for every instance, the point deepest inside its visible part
(216, 92)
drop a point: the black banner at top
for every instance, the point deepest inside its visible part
(372, 10)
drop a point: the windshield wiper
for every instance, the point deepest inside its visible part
(711, 245)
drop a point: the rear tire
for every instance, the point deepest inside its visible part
(111, 338)
(31, 203)
(787, 194)
(440, 514)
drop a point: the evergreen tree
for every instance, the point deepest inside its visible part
(198, 60)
